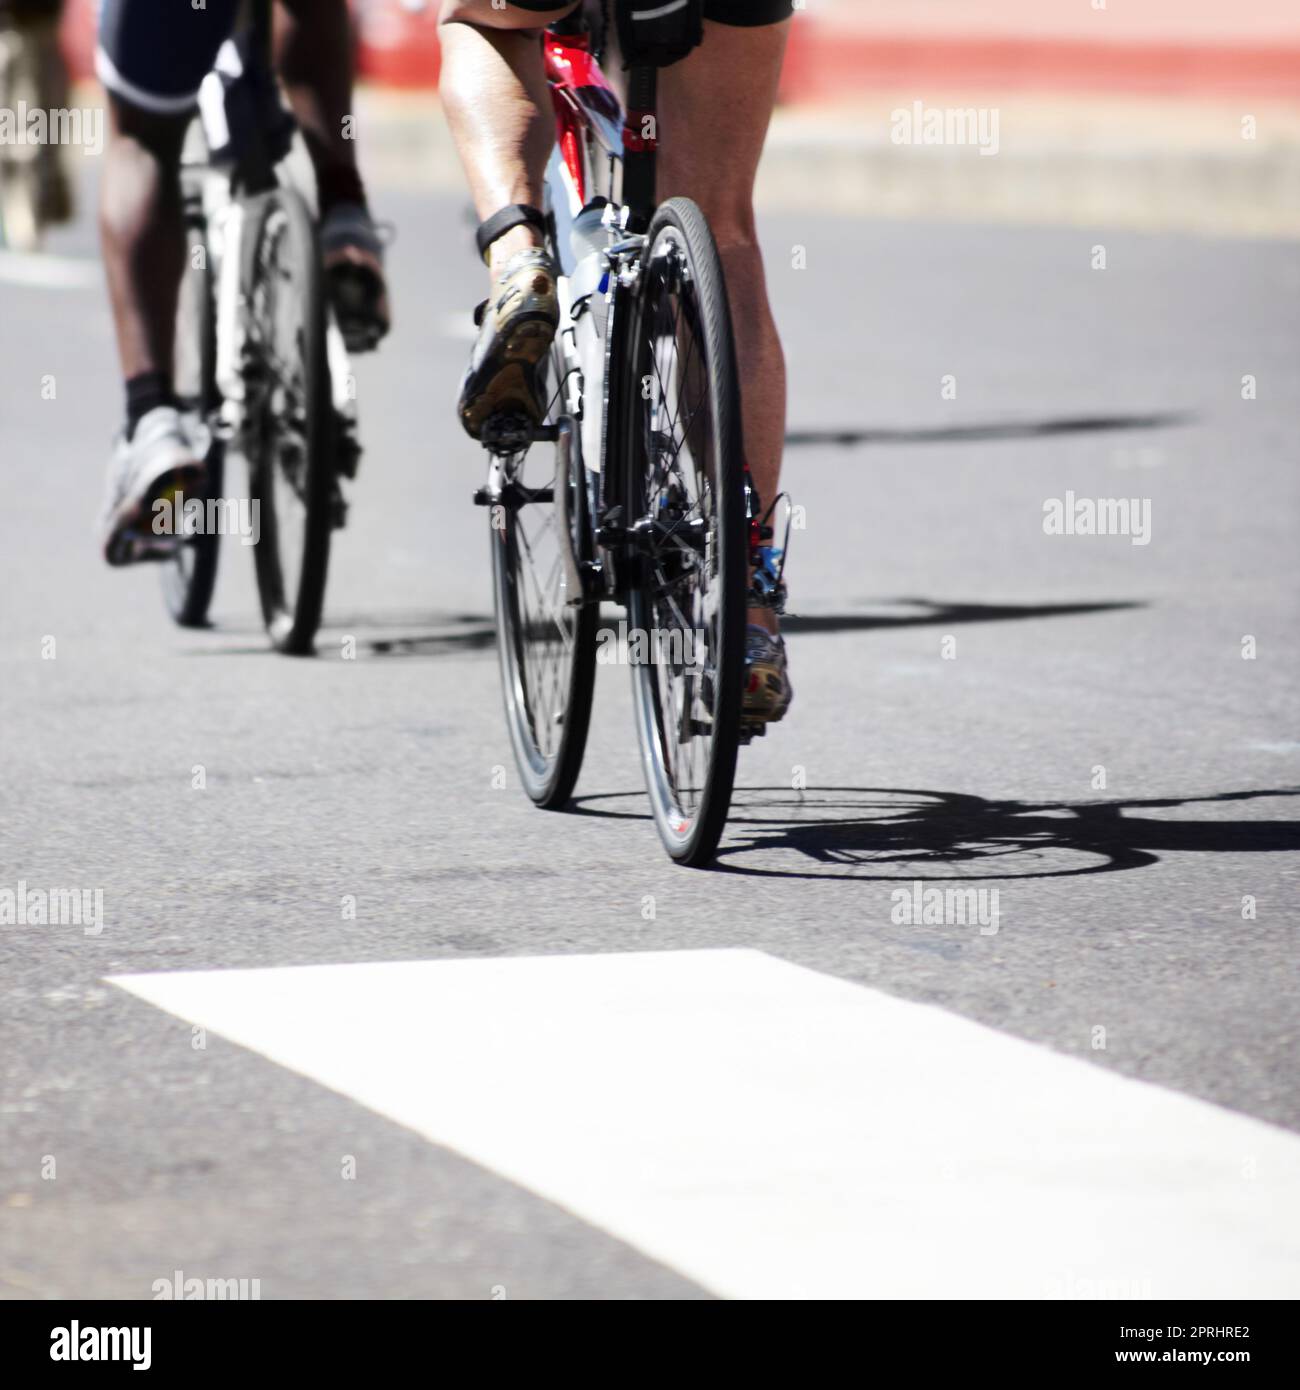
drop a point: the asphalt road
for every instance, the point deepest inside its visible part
(1120, 905)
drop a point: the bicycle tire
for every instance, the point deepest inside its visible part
(290, 451)
(680, 261)
(537, 701)
(188, 579)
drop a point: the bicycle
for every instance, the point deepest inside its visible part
(633, 490)
(260, 364)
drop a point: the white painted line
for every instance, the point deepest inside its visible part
(49, 272)
(772, 1132)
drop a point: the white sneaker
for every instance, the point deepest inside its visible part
(156, 461)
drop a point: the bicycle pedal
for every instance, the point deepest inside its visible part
(512, 433)
(513, 496)
(752, 731)
(506, 433)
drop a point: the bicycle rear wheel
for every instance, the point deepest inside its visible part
(540, 533)
(679, 409)
(289, 416)
(189, 578)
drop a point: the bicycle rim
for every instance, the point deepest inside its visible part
(188, 579)
(686, 502)
(546, 646)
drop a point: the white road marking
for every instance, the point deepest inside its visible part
(49, 272)
(772, 1132)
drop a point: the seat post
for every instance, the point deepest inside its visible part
(640, 144)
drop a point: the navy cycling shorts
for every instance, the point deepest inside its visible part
(153, 54)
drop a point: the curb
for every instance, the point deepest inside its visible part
(1153, 166)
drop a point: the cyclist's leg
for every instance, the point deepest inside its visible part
(142, 237)
(151, 58)
(499, 108)
(714, 108)
(494, 91)
(315, 59)
(141, 233)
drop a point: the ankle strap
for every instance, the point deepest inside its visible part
(514, 215)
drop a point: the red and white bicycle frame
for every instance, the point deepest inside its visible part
(588, 148)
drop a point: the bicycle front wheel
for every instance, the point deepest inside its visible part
(188, 579)
(289, 416)
(546, 628)
(680, 431)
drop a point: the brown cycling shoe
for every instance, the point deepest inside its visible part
(506, 372)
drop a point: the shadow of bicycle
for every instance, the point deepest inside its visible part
(455, 634)
(850, 436)
(880, 834)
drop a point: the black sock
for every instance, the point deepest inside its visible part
(145, 393)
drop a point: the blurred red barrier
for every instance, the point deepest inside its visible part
(396, 45)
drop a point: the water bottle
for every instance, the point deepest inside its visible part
(589, 299)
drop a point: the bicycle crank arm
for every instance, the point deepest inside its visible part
(512, 496)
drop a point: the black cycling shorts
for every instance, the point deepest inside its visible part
(154, 53)
(748, 14)
(745, 14)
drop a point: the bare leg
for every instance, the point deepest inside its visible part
(142, 233)
(499, 108)
(712, 135)
(313, 43)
